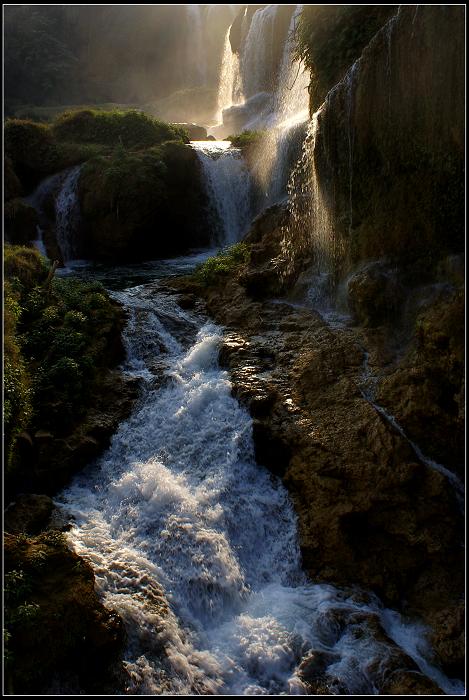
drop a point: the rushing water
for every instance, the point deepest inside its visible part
(228, 184)
(195, 545)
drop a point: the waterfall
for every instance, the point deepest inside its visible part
(228, 186)
(257, 53)
(67, 216)
(291, 109)
(195, 545)
(37, 200)
(254, 94)
(310, 232)
(229, 84)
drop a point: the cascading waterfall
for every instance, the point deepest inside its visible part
(290, 112)
(229, 85)
(310, 232)
(264, 99)
(256, 55)
(67, 216)
(195, 546)
(228, 186)
(37, 200)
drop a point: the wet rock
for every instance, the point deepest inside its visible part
(375, 294)
(448, 639)
(314, 666)
(424, 391)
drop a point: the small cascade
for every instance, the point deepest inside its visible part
(228, 186)
(46, 188)
(67, 216)
(195, 545)
(310, 231)
(39, 242)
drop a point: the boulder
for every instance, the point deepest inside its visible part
(375, 294)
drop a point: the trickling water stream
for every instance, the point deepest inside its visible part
(195, 545)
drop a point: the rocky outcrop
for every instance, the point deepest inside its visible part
(371, 513)
(60, 639)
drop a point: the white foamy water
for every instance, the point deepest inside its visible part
(195, 545)
(228, 185)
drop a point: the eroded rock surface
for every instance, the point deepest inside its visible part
(370, 512)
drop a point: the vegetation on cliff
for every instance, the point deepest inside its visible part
(222, 265)
(35, 149)
(331, 37)
(60, 335)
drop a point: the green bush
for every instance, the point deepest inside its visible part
(56, 340)
(246, 139)
(131, 129)
(225, 263)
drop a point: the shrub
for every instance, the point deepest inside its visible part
(56, 341)
(246, 139)
(226, 262)
(131, 129)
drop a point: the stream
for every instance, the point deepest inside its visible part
(195, 545)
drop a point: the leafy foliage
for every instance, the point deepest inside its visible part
(56, 340)
(226, 262)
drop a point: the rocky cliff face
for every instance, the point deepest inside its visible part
(391, 135)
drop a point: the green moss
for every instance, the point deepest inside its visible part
(220, 266)
(131, 129)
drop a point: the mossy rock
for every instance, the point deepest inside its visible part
(20, 220)
(144, 205)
